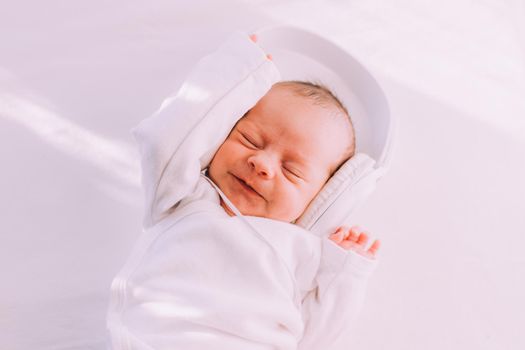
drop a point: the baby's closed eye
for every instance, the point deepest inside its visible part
(292, 171)
(249, 140)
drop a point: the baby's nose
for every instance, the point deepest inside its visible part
(263, 165)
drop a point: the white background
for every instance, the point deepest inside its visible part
(76, 76)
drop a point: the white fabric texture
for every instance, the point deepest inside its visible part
(199, 279)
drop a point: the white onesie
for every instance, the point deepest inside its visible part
(200, 279)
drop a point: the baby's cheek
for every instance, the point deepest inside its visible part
(297, 205)
(226, 154)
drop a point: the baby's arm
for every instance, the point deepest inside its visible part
(330, 309)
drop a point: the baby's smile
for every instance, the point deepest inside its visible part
(279, 155)
(247, 188)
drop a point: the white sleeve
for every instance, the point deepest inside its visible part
(180, 139)
(331, 308)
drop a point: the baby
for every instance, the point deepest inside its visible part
(221, 263)
(282, 152)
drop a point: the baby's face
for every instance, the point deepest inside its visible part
(279, 156)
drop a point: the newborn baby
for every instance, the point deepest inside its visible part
(221, 264)
(279, 156)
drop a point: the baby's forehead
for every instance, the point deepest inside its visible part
(264, 115)
(310, 132)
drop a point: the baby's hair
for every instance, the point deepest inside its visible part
(321, 95)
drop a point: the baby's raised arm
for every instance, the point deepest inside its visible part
(178, 141)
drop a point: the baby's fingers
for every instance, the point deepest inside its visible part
(363, 238)
(358, 235)
(374, 247)
(353, 235)
(338, 236)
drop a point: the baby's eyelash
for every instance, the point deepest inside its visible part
(291, 172)
(250, 141)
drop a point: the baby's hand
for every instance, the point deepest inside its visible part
(355, 239)
(253, 37)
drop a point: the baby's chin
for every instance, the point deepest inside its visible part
(263, 213)
(246, 208)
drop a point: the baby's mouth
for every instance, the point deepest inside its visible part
(248, 187)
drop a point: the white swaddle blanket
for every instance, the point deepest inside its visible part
(200, 279)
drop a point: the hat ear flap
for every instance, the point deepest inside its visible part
(340, 196)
